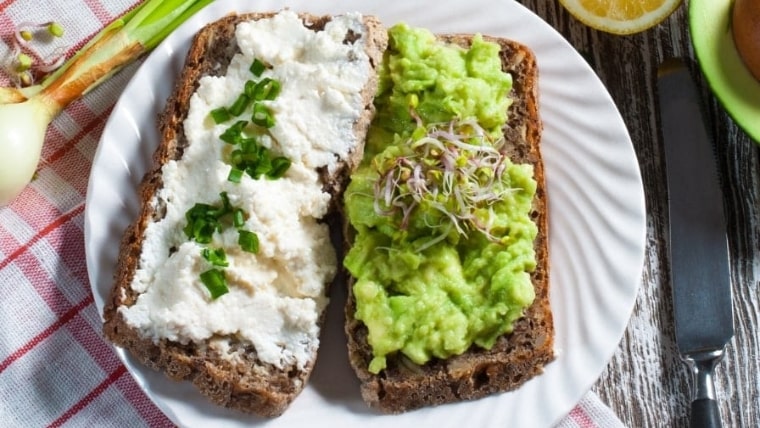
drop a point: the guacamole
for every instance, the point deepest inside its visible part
(444, 239)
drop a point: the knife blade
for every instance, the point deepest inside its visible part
(699, 256)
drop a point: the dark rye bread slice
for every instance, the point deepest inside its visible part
(247, 384)
(516, 357)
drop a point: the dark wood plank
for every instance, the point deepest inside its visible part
(645, 382)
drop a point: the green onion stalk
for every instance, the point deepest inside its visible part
(25, 114)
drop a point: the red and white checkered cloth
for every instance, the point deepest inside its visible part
(55, 367)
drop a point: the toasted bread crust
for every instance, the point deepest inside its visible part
(516, 357)
(246, 383)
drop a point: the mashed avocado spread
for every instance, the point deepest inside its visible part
(444, 237)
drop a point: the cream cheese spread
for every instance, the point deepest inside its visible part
(277, 295)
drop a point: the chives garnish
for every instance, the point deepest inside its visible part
(215, 282)
(248, 156)
(238, 218)
(235, 175)
(266, 89)
(250, 88)
(262, 167)
(280, 165)
(241, 103)
(220, 115)
(234, 134)
(202, 221)
(226, 206)
(262, 116)
(216, 256)
(249, 146)
(257, 67)
(248, 241)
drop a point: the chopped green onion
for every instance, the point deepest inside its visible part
(238, 218)
(262, 116)
(262, 167)
(248, 146)
(266, 89)
(257, 67)
(226, 206)
(220, 115)
(215, 282)
(250, 88)
(248, 241)
(236, 159)
(280, 166)
(215, 256)
(199, 210)
(234, 134)
(55, 29)
(201, 230)
(250, 157)
(241, 103)
(255, 160)
(204, 219)
(235, 175)
(201, 223)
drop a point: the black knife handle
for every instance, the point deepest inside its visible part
(705, 414)
(704, 407)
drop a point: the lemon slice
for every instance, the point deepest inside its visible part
(621, 16)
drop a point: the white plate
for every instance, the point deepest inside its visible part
(597, 222)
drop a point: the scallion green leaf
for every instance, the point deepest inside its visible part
(153, 22)
(216, 282)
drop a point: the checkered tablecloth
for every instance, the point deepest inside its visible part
(55, 367)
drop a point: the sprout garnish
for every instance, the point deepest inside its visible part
(456, 168)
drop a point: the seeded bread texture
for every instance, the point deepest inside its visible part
(516, 357)
(244, 383)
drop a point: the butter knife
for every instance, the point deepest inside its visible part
(699, 274)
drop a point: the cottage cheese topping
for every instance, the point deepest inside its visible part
(277, 295)
(320, 74)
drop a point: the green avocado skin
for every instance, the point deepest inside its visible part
(435, 301)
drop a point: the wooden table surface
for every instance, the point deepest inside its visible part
(646, 383)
